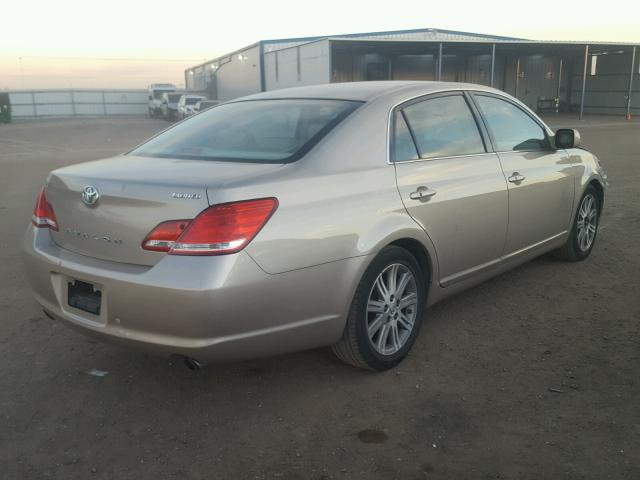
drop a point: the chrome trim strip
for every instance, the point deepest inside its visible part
(444, 158)
(527, 151)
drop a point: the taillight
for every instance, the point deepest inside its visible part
(218, 230)
(164, 236)
(43, 216)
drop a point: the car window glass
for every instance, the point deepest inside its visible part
(511, 127)
(267, 131)
(444, 126)
(403, 146)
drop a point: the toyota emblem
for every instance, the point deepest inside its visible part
(90, 195)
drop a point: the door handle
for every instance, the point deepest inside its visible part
(422, 192)
(516, 178)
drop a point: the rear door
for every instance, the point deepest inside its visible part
(539, 178)
(450, 183)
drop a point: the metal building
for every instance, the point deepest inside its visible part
(594, 77)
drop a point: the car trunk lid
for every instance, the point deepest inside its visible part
(135, 195)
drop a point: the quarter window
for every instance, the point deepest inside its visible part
(403, 146)
(444, 127)
(511, 127)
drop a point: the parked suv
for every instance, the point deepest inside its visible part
(187, 104)
(204, 104)
(169, 105)
(308, 217)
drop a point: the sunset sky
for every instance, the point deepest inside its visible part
(129, 44)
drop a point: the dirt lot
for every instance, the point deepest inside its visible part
(533, 375)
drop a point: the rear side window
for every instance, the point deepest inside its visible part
(444, 127)
(512, 128)
(259, 131)
(403, 146)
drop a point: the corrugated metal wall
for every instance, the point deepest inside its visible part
(306, 64)
(239, 77)
(478, 70)
(69, 103)
(414, 67)
(606, 91)
(227, 78)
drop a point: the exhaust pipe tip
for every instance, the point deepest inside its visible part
(192, 363)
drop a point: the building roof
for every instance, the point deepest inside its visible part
(433, 34)
(416, 34)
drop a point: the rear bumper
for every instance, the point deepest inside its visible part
(217, 308)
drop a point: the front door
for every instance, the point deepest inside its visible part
(450, 184)
(539, 178)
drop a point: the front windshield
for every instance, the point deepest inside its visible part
(263, 131)
(157, 94)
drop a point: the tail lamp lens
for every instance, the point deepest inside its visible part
(164, 236)
(218, 230)
(43, 215)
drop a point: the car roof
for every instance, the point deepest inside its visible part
(366, 91)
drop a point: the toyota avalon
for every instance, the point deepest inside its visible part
(329, 215)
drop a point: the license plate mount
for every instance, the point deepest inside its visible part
(84, 296)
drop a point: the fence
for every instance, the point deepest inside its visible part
(72, 103)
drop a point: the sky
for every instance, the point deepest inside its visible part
(129, 44)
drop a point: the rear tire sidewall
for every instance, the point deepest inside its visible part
(387, 257)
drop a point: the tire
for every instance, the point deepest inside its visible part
(370, 309)
(579, 244)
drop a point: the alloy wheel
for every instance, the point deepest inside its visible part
(391, 309)
(587, 222)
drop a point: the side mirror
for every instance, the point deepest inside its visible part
(567, 138)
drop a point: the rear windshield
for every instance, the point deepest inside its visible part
(174, 98)
(192, 100)
(262, 131)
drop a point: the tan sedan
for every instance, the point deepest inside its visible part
(308, 217)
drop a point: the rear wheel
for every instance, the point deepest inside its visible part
(584, 230)
(386, 312)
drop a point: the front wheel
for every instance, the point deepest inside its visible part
(386, 312)
(584, 230)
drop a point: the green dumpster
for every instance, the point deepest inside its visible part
(5, 108)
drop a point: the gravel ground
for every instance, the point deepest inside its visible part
(532, 375)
